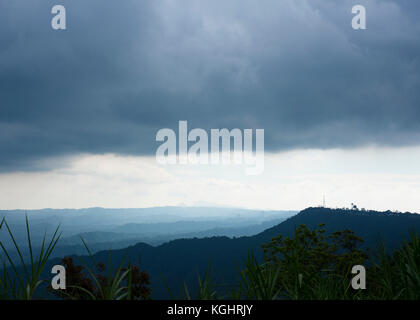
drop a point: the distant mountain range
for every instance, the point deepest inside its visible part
(135, 233)
(107, 229)
(180, 260)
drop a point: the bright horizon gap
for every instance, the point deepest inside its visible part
(376, 178)
(124, 208)
(191, 207)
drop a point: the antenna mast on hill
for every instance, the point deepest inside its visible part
(323, 202)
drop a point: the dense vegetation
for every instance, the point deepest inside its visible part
(308, 263)
(312, 266)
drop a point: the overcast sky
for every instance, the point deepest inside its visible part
(80, 108)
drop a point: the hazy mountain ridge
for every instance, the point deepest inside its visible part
(110, 229)
(103, 240)
(75, 221)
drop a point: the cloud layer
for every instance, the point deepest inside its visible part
(123, 70)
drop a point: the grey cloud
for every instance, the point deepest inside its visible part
(123, 70)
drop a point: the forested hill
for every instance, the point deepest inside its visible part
(181, 260)
(372, 226)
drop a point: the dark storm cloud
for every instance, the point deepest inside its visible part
(123, 70)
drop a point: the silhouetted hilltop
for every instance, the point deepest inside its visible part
(373, 226)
